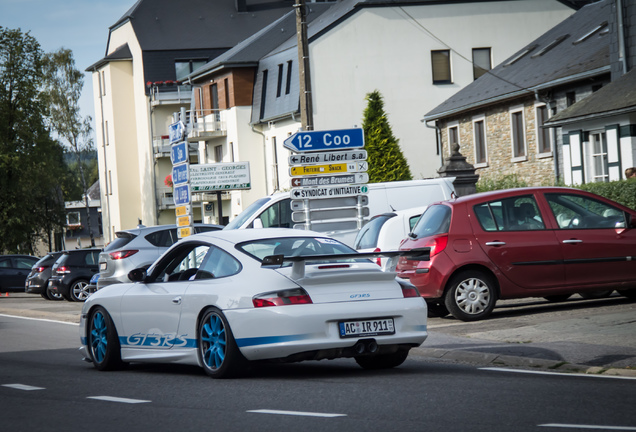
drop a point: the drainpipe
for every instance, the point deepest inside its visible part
(622, 55)
(438, 138)
(108, 186)
(264, 158)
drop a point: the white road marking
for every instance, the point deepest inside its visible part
(558, 373)
(296, 413)
(597, 427)
(40, 319)
(22, 387)
(118, 399)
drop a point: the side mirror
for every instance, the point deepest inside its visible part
(137, 275)
(258, 223)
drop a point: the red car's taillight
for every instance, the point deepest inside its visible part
(378, 260)
(437, 244)
(122, 254)
(282, 298)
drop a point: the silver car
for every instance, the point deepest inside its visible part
(136, 248)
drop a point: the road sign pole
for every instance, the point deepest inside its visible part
(307, 214)
(220, 204)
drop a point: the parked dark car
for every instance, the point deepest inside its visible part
(14, 270)
(72, 273)
(37, 281)
(529, 242)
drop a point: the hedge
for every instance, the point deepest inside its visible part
(621, 191)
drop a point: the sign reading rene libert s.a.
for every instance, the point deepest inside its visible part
(220, 176)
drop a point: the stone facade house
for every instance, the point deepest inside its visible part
(502, 122)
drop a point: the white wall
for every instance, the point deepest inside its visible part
(387, 50)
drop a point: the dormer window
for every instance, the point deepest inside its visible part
(551, 45)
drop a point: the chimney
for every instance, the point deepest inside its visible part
(241, 5)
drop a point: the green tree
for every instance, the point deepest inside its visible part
(64, 85)
(386, 161)
(31, 162)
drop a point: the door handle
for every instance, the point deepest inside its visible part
(176, 300)
(572, 241)
(496, 243)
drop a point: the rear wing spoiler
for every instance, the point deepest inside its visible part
(298, 262)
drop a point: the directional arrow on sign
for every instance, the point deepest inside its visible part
(340, 139)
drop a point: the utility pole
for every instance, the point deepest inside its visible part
(306, 110)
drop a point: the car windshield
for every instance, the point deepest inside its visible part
(367, 238)
(435, 220)
(295, 247)
(247, 213)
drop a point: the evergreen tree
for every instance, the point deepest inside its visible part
(31, 162)
(386, 161)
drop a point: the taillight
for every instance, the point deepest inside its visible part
(438, 244)
(40, 269)
(122, 254)
(378, 260)
(282, 298)
(408, 289)
(63, 270)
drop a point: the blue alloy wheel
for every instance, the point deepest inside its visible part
(218, 353)
(103, 342)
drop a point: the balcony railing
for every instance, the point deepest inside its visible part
(169, 92)
(202, 124)
(161, 147)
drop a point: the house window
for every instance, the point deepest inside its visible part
(279, 86)
(479, 134)
(226, 85)
(183, 68)
(441, 67)
(289, 77)
(543, 134)
(110, 184)
(570, 98)
(103, 84)
(73, 219)
(518, 136)
(214, 98)
(218, 153)
(481, 61)
(106, 138)
(453, 138)
(598, 146)
(263, 94)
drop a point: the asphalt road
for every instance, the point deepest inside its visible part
(44, 386)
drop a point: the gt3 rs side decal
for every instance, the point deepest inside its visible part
(157, 340)
(244, 342)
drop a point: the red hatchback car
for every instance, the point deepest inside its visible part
(530, 242)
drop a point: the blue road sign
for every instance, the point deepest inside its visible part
(179, 153)
(325, 140)
(176, 131)
(181, 194)
(180, 174)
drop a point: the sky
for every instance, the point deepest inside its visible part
(78, 25)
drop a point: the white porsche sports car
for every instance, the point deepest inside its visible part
(224, 298)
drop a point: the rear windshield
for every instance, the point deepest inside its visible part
(82, 258)
(435, 220)
(367, 238)
(123, 238)
(48, 260)
(295, 246)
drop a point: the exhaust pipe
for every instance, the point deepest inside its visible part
(369, 346)
(359, 347)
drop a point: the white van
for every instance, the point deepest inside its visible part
(275, 210)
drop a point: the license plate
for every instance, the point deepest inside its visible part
(372, 327)
(102, 266)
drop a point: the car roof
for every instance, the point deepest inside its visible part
(503, 193)
(148, 229)
(243, 235)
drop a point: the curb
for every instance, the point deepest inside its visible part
(496, 360)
